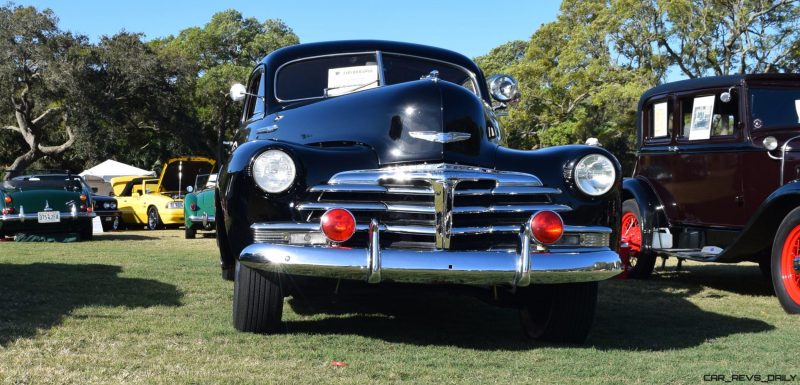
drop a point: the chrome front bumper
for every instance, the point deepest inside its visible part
(436, 266)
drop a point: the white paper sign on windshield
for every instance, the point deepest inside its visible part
(350, 79)
(797, 109)
(660, 120)
(702, 114)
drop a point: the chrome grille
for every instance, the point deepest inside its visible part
(439, 206)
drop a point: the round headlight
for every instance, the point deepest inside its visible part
(113, 206)
(106, 205)
(274, 171)
(595, 174)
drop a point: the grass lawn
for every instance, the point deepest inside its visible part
(150, 307)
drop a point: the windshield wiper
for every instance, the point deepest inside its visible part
(357, 87)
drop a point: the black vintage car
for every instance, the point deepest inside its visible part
(383, 162)
(717, 177)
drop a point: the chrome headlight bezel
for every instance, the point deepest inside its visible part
(594, 174)
(271, 163)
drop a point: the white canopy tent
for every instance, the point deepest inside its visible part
(100, 175)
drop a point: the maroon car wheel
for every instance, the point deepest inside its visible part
(637, 263)
(786, 263)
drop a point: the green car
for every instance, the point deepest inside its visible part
(39, 204)
(198, 205)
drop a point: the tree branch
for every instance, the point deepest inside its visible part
(55, 150)
(45, 114)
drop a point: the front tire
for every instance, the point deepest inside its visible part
(257, 301)
(153, 219)
(786, 263)
(559, 313)
(640, 263)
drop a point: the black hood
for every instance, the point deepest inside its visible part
(402, 123)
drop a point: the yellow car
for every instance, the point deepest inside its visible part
(158, 202)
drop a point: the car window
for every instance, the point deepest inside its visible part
(774, 107)
(342, 74)
(659, 120)
(704, 116)
(254, 105)
(401, 69)
(334, 75)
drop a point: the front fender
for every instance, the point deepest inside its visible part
(243, 203)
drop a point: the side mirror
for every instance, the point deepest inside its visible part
(503, 88)
(189, 189)
(238, 92)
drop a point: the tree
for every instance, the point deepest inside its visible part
(222, 53)
(40, 68)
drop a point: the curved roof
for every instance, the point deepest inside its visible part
(285, 54)
(714, 82)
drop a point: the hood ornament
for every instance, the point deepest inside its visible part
(440, 137)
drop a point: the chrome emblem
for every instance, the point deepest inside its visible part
(440, 137)
(47, 206)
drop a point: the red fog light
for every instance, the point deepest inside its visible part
(338, 224)
(546, 227)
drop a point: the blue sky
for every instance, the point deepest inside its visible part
(469, 27)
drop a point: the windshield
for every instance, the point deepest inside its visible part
(774, 107)
(46, 182)
(336, 75)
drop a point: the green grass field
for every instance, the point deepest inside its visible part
(150, 307)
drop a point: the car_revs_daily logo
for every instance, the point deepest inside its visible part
(765, 378)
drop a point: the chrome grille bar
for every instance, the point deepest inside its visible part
(508, 209)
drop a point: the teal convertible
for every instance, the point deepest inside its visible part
(45, 204)
(198, 205)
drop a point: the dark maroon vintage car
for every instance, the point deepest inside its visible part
(717, 177)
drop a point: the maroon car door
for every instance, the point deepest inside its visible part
(697, 173)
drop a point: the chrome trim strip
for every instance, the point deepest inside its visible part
(586, 229)
(422, 230)
(509, 190)
(440, 171)
(410, 190)
(359, 188)
(407, 208)
(508, 209)
(306, 206)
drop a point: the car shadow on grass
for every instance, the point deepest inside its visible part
(731, 278)
(632, 315)
(38, 296)
(116, 236)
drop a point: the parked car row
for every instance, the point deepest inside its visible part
(31, 202)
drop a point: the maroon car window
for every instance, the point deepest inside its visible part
(774, 107)
(724, 119)
(659, 120)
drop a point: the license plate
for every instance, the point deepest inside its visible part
(49, 216)
(109, 219)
